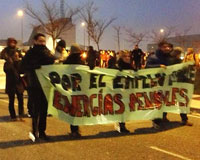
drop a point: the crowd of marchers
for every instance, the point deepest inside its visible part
(21, 75)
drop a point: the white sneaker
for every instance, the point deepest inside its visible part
(32, 136)
(155, 126)
(117, 128)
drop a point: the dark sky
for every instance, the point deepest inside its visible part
(140, 15)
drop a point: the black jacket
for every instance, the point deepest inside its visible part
(9, 52)
(74, 58)
(137, 54)
(91, 58)
(112, 62)
(34, 59)
(13, 79)
(157, 59)
(122, 65)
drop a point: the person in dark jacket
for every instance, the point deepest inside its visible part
(112, 60)
(91, 57)
(161, 56)
(160, 59)
(74, 58)
(137, 57)
(175, 59)
(124, 62)
(14, 84)
(10, 50)
(34, 58)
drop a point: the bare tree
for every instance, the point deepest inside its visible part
(135, 38)
(157, 37)
(180, 37)
(118, 35)
(95, 27)
(49, 18)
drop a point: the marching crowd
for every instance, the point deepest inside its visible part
(20, 74)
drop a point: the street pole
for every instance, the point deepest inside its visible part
(83, 25)
(88, 40)
(84, 38)
(22, 31)
(20, 13)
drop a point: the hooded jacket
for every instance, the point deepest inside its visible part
(157, 59)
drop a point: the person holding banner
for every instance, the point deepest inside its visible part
(175, 59)
(124, 62)
(163, 57)
(35, 57)
(160, 59)
(74, 58)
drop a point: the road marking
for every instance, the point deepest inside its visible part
(170, 153)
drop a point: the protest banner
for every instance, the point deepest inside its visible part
(81, 96)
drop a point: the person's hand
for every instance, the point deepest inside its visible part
(163, 66)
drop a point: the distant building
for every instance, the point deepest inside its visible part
(69, 35)
(187, 41)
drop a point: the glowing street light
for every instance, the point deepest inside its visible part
(20, 14)
(162, 30)
(83, 24)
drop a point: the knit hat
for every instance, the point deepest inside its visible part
(75, 48)
(10, 40)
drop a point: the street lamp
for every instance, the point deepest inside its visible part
(83, 25)
(162, 30)
(20, 14)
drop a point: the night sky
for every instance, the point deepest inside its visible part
(141, 15)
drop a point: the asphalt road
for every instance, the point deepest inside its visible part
(100, 142)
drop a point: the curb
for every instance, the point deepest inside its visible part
(195, 110)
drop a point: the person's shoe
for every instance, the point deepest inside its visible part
(117, 127)
(75, 135)
(29, 115)
(124, 130)
(186, 123)
(21, 119)
(156, 126)
(13, 119)
(43, 136)
(165, 120)
(32, 136)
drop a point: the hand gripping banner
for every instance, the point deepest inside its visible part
(81, 96)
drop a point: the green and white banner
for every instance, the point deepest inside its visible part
(81, 96)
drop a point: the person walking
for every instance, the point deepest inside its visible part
(137, 56)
